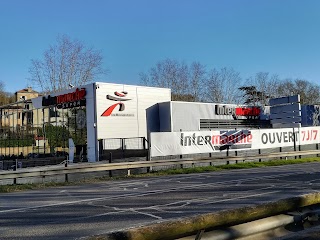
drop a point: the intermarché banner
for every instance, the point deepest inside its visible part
(178, 143)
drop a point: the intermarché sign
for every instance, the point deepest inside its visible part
(68, 100)
(237, 111)
(177, 143)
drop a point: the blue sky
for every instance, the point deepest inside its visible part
(277, 36)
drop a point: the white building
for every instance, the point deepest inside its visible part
(112, 110)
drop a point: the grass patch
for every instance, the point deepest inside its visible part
(242, 165)
(31, 186)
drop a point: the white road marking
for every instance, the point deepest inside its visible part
(147, 214)
(145, 194)
(241, 197)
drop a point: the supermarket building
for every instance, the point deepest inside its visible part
(104, 111)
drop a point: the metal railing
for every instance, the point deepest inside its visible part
(120, 148)
(98, 167)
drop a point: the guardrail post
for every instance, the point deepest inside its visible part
(280, 151)
(299, 147)
(259, 152)
(317, 148)
(66, 177)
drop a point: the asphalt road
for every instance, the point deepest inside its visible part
(75, 212)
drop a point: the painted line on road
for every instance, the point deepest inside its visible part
(141, 194)
(147, 214)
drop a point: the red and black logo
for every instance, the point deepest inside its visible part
(119, 97)
(68, 100)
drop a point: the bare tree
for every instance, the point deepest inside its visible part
(309, 92)
(184, 81)
(223, 85)
(67, 63)
(193, 82)
(5, 97)
(316, 116)
(197, 81)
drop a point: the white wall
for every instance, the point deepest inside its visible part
(131, 122)
(186, 115)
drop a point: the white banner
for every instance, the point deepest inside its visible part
(178, 143)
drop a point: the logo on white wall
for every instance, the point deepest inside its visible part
(119, 97)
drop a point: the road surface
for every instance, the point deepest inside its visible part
(75, 212)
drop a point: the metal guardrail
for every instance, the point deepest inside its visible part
(96, 167)
(199, 223)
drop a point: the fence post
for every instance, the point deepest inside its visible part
(110, 160)
(101, 149)
(317, 147)
(15, 169)
(180, 156)
(144, 143)
(122, 147)
(146, 147)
